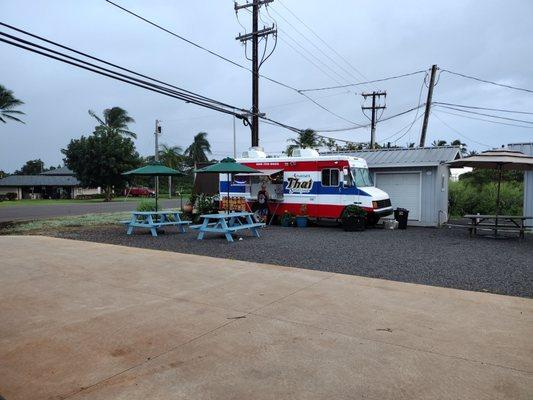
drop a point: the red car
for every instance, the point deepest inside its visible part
(140, 192)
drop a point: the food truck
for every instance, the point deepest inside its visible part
(324, 185)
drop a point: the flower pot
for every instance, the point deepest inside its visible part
(353, 223)
(187, 208)
(286, 222)
(301, 221)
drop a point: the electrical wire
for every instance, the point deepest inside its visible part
(483, 108)
(485, 120)
(460, 134)
(363, 83)
(486, 81)
(323, 41)
(486, 115)
(318, 48)
(220, 56)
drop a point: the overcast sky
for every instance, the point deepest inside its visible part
(489, 39)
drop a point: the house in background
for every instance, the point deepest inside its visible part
(526, 148)
(415, 178)
(59, 183)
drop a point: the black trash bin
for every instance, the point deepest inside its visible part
(400, 215)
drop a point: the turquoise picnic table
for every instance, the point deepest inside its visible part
(227, 224)
(155, 219)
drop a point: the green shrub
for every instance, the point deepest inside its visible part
(11, 196)
(468, 198)
(353, 211)
(146, 205)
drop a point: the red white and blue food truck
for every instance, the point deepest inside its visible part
(324, 184)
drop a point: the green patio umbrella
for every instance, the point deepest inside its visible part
(226, 166)
(154, 169)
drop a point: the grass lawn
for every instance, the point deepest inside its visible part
(43, 202)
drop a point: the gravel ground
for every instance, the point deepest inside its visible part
(439, 257)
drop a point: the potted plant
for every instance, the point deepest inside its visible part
(286, 219)
(301, 219)
(353, 218)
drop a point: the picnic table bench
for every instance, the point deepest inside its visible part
(155, 219)
(227, 224)
(495, 223)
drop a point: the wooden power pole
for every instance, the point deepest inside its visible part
(373, 119)
(256, 63)
(434, 69)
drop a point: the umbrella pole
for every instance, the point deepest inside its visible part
(227, 208)
(498, 210)
(156, 192)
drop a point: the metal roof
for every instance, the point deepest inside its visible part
(407, 157)
(59, 171)
(39, 180)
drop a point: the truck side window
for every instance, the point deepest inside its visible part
(330, 177)
(325, 177)
(334, 177)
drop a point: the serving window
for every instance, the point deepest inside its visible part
(330, 177)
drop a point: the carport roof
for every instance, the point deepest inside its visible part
(407, 157)
(39, 180)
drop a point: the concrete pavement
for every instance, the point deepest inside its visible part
(30, 212)
(86, 320)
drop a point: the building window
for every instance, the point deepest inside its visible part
(330, 177)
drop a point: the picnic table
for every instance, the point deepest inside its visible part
(155, 219)
(227, 224)
(504, 223)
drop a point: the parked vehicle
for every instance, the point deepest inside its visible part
(326, 185)
(140, 192)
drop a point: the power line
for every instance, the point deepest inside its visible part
(460, 134)
(194, 99)
(483, 119)
(316, 47)
(323, 41)
(483, 108)
(486, 115)
(486, 81)
(222, 57)
(362, 83)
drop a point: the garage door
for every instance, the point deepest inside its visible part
(403, 189)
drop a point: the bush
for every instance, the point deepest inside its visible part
(353, 211)
(468, 198)
(205, 204)
(146, 205)
(11, 196)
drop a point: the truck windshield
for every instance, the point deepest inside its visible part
(362, 177)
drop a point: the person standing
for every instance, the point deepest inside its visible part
(262, 201)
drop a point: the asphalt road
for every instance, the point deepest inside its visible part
(30, 212)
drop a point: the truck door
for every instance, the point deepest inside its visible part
(329, 203)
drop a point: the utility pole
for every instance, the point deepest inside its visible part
(375, 106)
(157, 132)
(234, 139)
(256, 63)
(434, 69)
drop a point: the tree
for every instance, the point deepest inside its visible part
(438, 143)
(198, 149)
(99, 159)
(457, 142)
(8, 103)
(305, 139)
(171, 156)
(3, 174)
(115, 120)
(31, 167)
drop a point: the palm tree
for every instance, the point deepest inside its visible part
(170, 156)
(438, 143)
(115, 120)
(198, 149)
(7, 104)
(306, 138)
(457, 142)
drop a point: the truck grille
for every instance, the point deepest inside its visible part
(383, 203)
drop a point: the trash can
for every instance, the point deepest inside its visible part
(401, 215)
